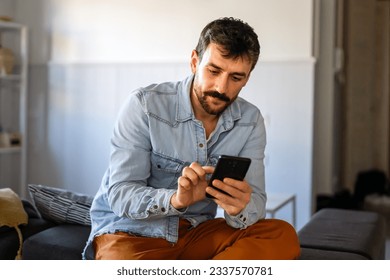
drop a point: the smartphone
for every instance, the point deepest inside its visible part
(229, 167)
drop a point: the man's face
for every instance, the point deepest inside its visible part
(218, 80)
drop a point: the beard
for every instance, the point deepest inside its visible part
(203, 96)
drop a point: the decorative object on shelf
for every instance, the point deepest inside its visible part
(15, 139)
(5, 18)
(7, 61)
(9, 139)
(4, 139)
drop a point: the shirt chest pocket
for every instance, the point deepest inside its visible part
(165, 172)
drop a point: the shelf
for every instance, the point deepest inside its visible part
(10, 26)
(15, 37)
(10, 150)
(11, 77)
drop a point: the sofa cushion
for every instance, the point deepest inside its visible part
(30, 209)
(62, 242)
(343, 230)
(61, 206)
(319, 254)
(9, 241)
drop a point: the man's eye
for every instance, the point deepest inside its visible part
(236, 79)
(213, 72)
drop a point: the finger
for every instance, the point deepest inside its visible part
(238, 189)
(208, 169)
(231, 204)
(218, 193)
(242, 186)
(222, 186)
(236, 196)
(184, 183)
(191, 175)
(211, 191)
(198, 169)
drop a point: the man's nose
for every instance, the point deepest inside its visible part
(222, 84)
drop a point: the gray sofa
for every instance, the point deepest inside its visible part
(331, 234)
(341, 234)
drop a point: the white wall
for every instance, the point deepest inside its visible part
(7, 8)
(99, 50)
(139, 30)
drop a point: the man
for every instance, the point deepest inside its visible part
(152, 203)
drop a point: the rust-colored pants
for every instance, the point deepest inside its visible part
(269, 239)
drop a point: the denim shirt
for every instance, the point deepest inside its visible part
(155, 136)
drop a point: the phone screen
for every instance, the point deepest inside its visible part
(229, 167)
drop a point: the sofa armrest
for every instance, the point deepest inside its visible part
(347, 231)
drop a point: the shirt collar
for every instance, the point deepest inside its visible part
(183, 105)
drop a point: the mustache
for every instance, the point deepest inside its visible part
(218, 95)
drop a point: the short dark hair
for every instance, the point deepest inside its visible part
(236, 37)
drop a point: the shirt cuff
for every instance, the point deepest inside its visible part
(161, 205)
(239, 221)
(172, 210)
(245, 218)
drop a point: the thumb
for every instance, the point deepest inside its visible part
(208, 169)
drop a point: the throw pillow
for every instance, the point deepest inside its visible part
(61, 206)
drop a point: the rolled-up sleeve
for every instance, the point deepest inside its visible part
(128, 194)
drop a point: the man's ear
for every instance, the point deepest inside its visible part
(194, 61)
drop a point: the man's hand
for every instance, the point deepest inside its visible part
(191, 185)
(240, 195)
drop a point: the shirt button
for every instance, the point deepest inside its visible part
(200, 145)
(155, 206)
(163, 209)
